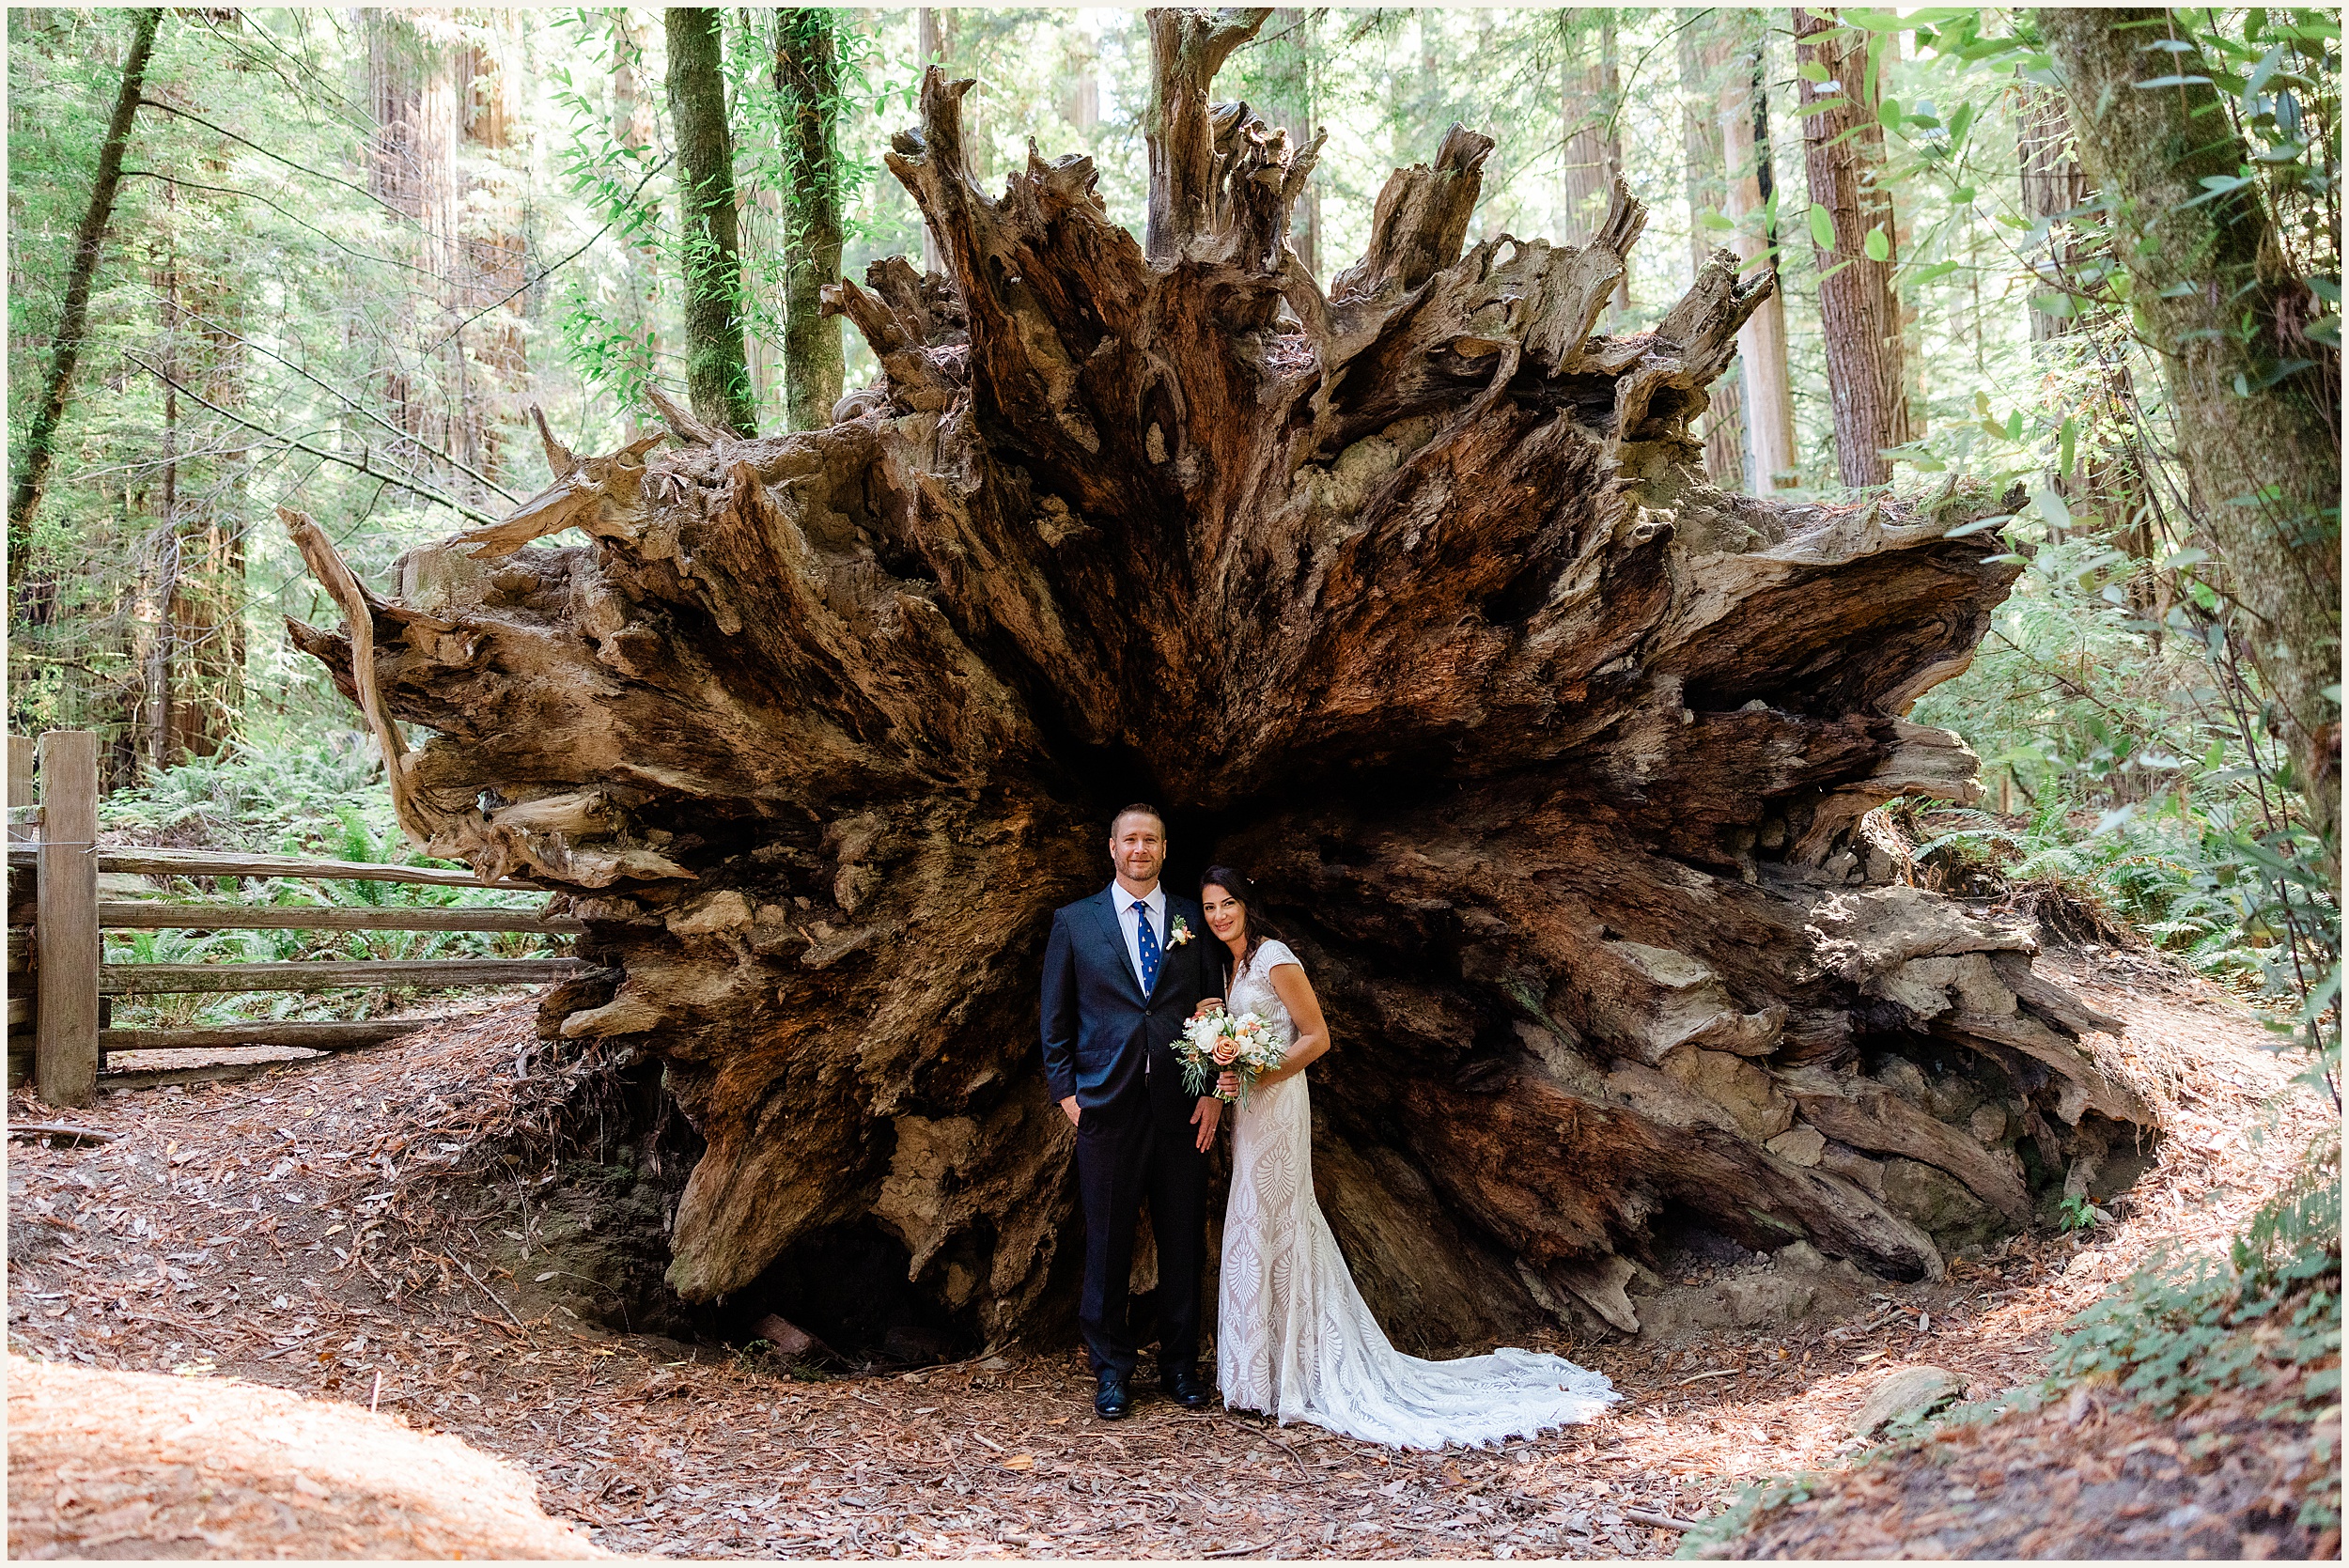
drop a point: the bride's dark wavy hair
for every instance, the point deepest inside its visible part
(1236, 882)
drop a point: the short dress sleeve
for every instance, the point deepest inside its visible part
(1272, 955)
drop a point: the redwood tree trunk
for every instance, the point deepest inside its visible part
(1767, 404)
(1593, 153)
(1860, 316)
(2214, 302)
(717, 376)
(1701, 64)
(1555, 761)
(41, 437)
(807, 78)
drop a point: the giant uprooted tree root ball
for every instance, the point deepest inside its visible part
(1554, 762)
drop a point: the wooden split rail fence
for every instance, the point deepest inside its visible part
(60, 988)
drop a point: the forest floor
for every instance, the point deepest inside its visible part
(274, 1231)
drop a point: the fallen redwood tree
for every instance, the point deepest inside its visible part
(1555, 762)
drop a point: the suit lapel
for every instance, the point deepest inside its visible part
(1113, 930)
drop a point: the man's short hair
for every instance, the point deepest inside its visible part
(1140, 808)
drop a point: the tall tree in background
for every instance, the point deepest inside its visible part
(2052, 184)
(633, 112)
(1282, 72)
(41, 435)
(2070, 333)
(1593, 156)
(931, 45)
(717, 374)
(1767, 405)
(1860, 314)
(490, 252)
(412, 168)
(807, 80)
(1701, 64)
(2257, 398)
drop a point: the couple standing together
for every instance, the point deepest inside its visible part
(1124, 970)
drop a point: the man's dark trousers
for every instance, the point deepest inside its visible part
(1110, 1046)
(1145, 1148)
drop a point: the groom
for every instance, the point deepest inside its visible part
(1124, 970)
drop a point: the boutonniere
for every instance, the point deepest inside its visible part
(1180, 934)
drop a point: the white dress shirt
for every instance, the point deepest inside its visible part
(1156, 901)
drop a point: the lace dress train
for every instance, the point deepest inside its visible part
(1294, 1337)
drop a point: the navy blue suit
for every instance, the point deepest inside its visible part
(1112, 1048)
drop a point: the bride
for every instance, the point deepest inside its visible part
(1294, 1338)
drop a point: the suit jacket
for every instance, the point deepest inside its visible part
(1103, 1039)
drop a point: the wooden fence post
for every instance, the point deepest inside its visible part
(65, 921)
(21, 796)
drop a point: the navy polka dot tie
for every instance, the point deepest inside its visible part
(1149, 948)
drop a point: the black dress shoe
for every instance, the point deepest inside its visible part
(1110, 1399)
(1182, 1386)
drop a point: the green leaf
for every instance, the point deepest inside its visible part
(2172, 81)
(2070, 437)
(1713, 220)
(1811, 70)
(1962, 194)
(1822, 227)
(2257, 81)
(1933, 273)
(1829, 272)
(2180, 560)
(2015, 425)
(1888, 114)
(1877, 245)
(2048, 303)
(1960, 124)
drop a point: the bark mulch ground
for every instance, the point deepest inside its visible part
(2088, 1478)
(290, 1230)
(130, 1463)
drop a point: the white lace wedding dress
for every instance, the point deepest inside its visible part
(1294, 1338)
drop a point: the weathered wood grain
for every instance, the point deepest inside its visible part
(426, 974)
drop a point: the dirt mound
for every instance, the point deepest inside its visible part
(136, 1464)
(2087, 1478)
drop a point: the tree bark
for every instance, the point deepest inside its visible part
(1287, 80)
(633, 111)
(41, 436)
(2052, 183)
(807, 79)
(1701, 65)
(1768, 403)
(161, 597)
(1593, 153)
(717, 376)
(1860, 314)
(930, 46)
(2260, 439)
(1554, 761)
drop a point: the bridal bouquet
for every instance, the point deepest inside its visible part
(1219, 1041)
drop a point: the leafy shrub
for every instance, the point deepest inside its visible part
(2266, 1317)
